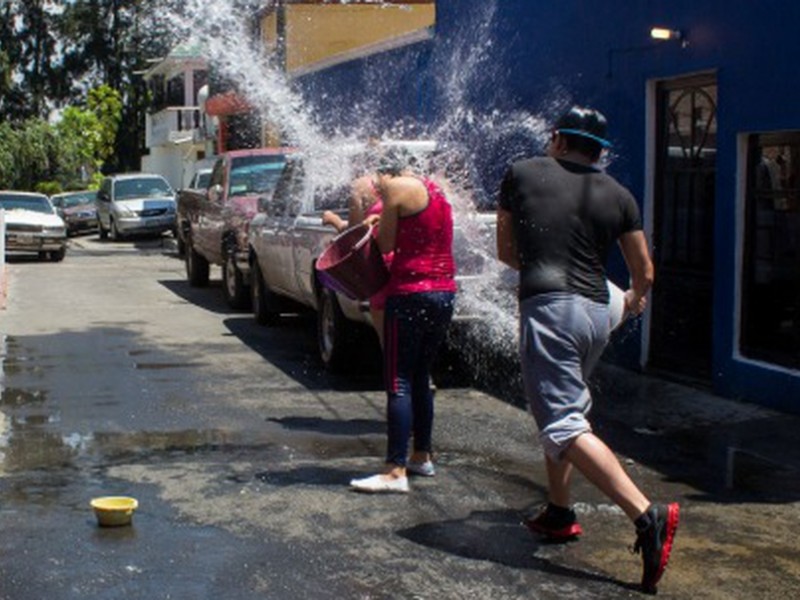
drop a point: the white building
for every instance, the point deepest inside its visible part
(179, 134)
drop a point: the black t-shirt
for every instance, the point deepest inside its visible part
(566, 218)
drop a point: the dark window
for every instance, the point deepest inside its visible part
(331, 197)
(175, 91)
(771, 278)
(255, 174)
(218, 173)
(289, 189)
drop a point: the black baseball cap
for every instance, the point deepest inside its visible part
(584, 122)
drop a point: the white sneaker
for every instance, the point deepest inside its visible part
(381, 484)
(426, 469)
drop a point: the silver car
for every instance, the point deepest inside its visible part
(135, 203)
(32, 225)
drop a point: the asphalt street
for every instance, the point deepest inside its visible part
(117, 378)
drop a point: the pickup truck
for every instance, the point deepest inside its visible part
(197, 185)
(213, 222)
(287, 237)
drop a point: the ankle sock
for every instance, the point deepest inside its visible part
(559, 512)
(644, 520)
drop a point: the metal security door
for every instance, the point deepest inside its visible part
(683, 231)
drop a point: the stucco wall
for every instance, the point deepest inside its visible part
(320, 33)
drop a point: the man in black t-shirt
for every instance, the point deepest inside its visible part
(557, 219)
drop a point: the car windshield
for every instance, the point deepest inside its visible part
(202, 180)
(141, 187)
(255, 175)
(76, 199)
(18, 202)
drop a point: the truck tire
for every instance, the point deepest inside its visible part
(266, 310)
(237, 293)
(335, 334)
(196, 267)
(58, 255)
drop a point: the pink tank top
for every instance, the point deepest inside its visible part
(423, 256)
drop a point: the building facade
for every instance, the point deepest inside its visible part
(705, 135)
(178, 129)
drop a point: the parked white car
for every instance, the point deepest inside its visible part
(32, 225)
(135, 203)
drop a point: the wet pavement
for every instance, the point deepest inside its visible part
(118, 378)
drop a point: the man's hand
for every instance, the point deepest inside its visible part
(634, 303)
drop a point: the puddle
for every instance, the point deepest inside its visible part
(158, 366)
(15, 398)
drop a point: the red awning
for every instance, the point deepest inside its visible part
(229, 103)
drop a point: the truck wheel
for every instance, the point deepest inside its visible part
(265, 304)
(237, 294)
(58, 255)
(181, 245)
(335, 334)
(196, 267)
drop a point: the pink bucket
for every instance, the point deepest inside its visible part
(353, 264)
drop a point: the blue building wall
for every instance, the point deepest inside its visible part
(493, 62)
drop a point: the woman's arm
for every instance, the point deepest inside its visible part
(331, 218)
(387, 232)
(361, 198)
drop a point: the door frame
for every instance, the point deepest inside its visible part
(650, 174)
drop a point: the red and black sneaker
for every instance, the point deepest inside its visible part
(655, 543)
(556, 523)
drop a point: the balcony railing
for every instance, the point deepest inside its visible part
(175, 124)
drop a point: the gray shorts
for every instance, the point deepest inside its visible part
(562, 336)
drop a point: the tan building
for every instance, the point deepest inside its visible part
(308, 36)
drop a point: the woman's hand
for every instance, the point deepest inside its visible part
(372, 220)
(331, 218)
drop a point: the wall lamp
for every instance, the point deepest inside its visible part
(656, 33)
(662, 33)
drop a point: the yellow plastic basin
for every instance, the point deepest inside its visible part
(114, 511)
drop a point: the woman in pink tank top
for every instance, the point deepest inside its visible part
(416, 224)
(365, 200)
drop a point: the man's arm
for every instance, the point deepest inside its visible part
(506, 240)
(637, 256)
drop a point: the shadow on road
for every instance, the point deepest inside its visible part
(209, 298)
(655, 423)
(350, 427)
(495, 536)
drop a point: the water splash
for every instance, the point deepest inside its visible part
(461, 65)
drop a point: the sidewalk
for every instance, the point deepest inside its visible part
(733, 466)
(731, 447)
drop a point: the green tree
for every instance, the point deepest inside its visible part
(37, 154)
(106, 104)
(9, 141)
(80, 136)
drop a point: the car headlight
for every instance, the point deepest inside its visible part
(53, 230)
(123, 211)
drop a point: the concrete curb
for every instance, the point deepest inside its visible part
(3, 286)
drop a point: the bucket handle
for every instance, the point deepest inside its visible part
(365, 239)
